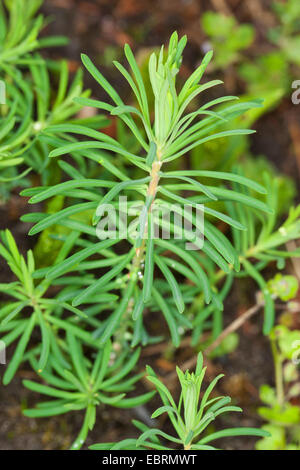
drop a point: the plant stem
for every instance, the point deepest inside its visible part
(151, 192)
(135, 267)
(81, 438)
(278, 372)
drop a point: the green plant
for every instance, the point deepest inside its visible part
(258, 247)
(20, 28)
(31, 104)
(275, 69)
(286, 35)
(282, 415)
(85, 384)
(32, 308)
(227, 37)
(268, 74)
(190, 418)
(89, 303)
(171, 136)
(29, 110)
(263, 242)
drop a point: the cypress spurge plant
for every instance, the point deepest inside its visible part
(259, 247)
(85, 384)
(111, 281)
(32, 103)
(20, 25)
(164, 134)
(32, 307)
(29, 109)
(189, 418)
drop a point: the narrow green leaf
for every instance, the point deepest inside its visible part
(19, 352)
(175, 289)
